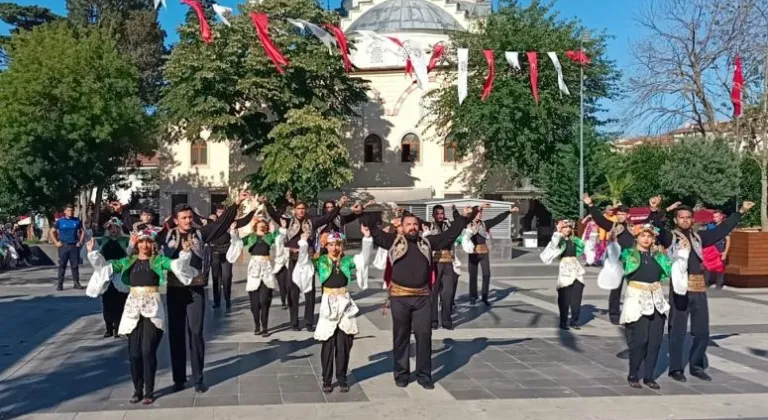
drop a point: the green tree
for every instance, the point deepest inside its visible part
(702, 172)
(231, 88)
(71, 115)
(133, 25)
(22, 17)
(306, 156)
(617, 185)
(559, 176)
(644, 163)
(514, 131)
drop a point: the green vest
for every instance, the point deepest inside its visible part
(252, 239)
(159, 264)
(631, 259)
(577, 242)
(324, 267)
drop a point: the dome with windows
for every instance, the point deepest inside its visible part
(406, 15)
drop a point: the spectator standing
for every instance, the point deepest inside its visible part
(68, 235)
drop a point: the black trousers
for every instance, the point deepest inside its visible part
(261, 300)
(142, 350)
(570, 297)
(336, 348)
(443, 290)
(695, 305)
(69, 254)
(483, 260)
(411, 314)
(221, 271)
(644, 341)
(293, 300)
(614, 303)
(112, 304)
(717, 279)
(282, 284)
(186, 316)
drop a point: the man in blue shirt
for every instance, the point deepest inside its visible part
(68, 234)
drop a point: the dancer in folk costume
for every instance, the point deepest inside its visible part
(143, 319)
(475, 244)
(113, 246)
(590, 238)
(570, 280)
(336, 326)
(261, 279)
(645, 309)
(446, 269)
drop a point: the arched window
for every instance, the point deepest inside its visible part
(199, 153)
(450, 153)
(409, 148)
(372, 149)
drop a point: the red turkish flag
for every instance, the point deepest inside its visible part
(578, 57)
(533, 62)
(205, 29)
(738, 85)
(342, 40)
(488, 85)
(437, 54)
(260, 21)
(408, 63)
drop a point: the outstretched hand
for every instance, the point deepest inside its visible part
(90, 244)
(655, 201)
(674, 206)
(587, 200)
(365, 231)
(746, 206)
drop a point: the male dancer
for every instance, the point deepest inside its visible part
(221, 269)
(446, 278)
(301, 223)
(113, 246)
(477, 233)
(186, 304)
(145, 221)
(689, 294)
(409, 290)
(622, 231)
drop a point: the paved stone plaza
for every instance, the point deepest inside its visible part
(508, 361)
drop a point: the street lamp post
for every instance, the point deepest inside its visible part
(584, 38)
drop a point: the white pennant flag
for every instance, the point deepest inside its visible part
(513, 59)
(463, 59)
(384, 42)
(559, 68)
(419, 61)
(222, 12)
(317, 31)
(159, 2)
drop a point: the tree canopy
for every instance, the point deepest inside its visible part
(71, 115)
(514, 132)
(231, 88)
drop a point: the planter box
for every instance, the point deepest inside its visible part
(747, 259)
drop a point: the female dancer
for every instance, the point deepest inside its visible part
(645, 308)
(143, 316)
(261, 272)
(337, 325)
(570, 280)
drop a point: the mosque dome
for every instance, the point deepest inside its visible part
(406, 15)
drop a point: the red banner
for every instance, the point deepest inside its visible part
(488, 85)
(738, 85)
(533, 62)
(342, 41)
(437, 54)
(408, 63)
(261, 23)
(578, 57)
(205, 29)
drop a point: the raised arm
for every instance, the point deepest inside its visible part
(272, 211)
(710, 237)
(380, 238)
(243, 221)
(490, 223)
(447, 238)
(214, 230)
(326, 218)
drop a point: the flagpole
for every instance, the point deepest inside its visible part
(584, 37)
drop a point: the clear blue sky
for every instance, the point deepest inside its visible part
(616, 17)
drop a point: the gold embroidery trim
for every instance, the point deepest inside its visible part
(335, 291)
(481, 249)
(651, 287)
(144, 290)
(696, 283)
(444, 256)
(399, 291)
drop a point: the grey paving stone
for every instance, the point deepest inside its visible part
(355, 394)
(261, 399)
(303, 397)
(174, 402)
(714, 389)
(486, 374)
(216, 400)
(524, 374)
(596, 391)
(458, 385)
(475, 394)
(82, 406)
(519, 393)
(538, 383)
(627, 390)
(250, 385)
(554, 393)
(673, 388)
(749, 387)
(491, 384)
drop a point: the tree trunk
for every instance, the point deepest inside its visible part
(764, 193)
(97, 205)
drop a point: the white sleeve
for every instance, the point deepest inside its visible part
(102, 275)
(551, 251)
(679, 272)
(280, 251)
(466, 241)
(361, 263)
(612, 273)
(182, 270)
(380, 260)
(304, 272)
(235, 247)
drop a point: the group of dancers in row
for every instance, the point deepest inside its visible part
(643, 257)
(417, 257)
